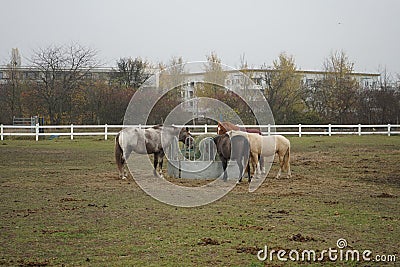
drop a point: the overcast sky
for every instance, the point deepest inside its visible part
(368, 31)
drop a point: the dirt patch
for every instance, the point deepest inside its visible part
(35, 263)
(330, 202)
(300, 238)
(253, 250)
(71, 199)
(384, 195)
(208, 241)
(251, 227)
(51, 231)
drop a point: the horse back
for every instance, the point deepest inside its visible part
(282, 141)
(223, 145)
(254, 131)
(273, 144)
(240, 147)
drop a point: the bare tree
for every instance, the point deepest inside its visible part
(10, 91)
(384, 101)
(62, 69)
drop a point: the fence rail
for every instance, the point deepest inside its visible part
(111, 130)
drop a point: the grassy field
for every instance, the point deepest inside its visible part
(62, 204)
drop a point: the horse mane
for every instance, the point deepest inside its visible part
(227, 125)
(158, 126)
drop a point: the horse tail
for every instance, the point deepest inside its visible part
(286, 159)
(119, 158)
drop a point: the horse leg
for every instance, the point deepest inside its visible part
(160, 163)
(241, 174)
(289, 173)
(121, 169)
(262, 164)
(280, 165)
(254, 162)
(224, 166)
(286, 160)
(155, 163)
(119, 158)
(248, 171)
(258, 165)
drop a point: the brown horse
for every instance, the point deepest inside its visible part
(146, 141)
(233, 148)
(224, 126)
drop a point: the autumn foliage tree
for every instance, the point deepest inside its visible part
(335, 96)
(284, 89)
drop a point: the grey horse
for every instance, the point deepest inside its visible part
(146, 141)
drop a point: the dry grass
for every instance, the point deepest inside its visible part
(63, 204)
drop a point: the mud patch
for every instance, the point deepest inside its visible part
(208, 241)
(300, 238)
(71, 199)
(330, 202)
(35, 263)
(253, 250)
(384, 195)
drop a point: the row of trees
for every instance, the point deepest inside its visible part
(63, 90)
(336, 98)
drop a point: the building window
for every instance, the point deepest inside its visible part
(1, 75)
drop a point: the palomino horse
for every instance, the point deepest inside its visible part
(235, 148)
(267, 146)
(146, 141)
(224, 126)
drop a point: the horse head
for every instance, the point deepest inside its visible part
(221, 129)
(186, 137)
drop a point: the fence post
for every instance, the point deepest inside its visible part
(2, 132)
(37, 131)
(300, 130)
(389, 128)
(359, 129)
(105, 131)
(269, 129)
(205, 128)
(329, 129)
(72, 132)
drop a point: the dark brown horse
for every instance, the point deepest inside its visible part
(146, 141)
(225, 126)
(233, 148)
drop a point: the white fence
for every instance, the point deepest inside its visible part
(52, 131)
